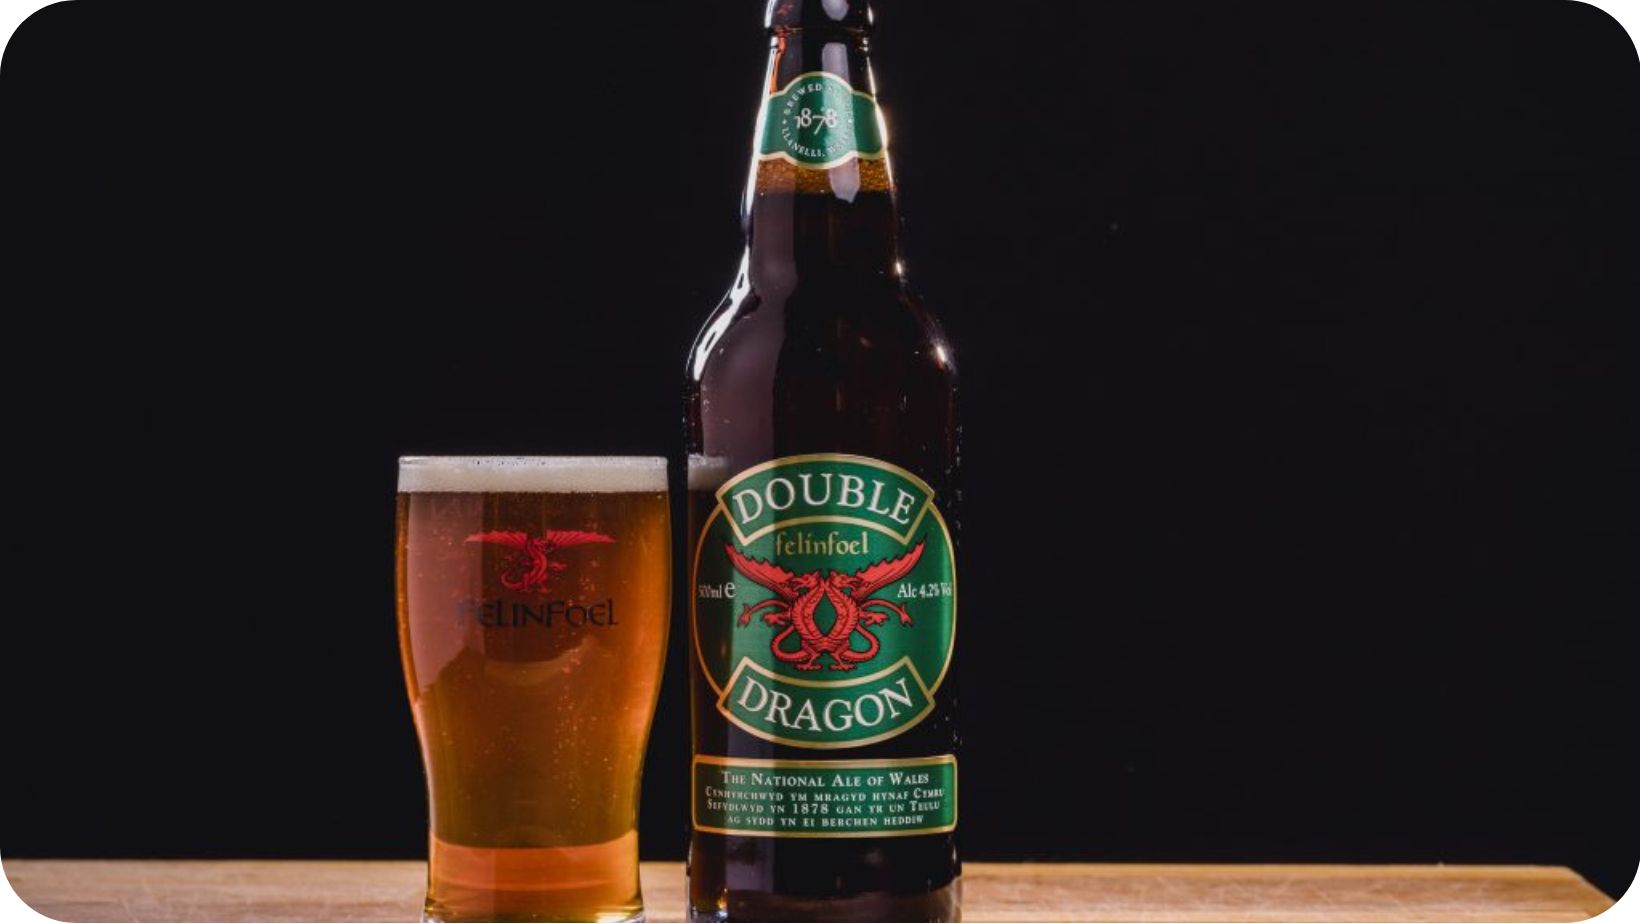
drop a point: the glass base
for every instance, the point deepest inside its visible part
(503, 885)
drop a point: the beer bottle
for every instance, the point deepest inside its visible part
(822, 437)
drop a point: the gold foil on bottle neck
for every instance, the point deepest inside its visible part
(857, 175)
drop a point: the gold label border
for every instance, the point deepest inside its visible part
(828, 165)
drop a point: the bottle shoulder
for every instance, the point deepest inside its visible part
(824, 369)
(825, 324)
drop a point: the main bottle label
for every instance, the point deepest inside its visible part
(823, 610)
(824, 601)
(818, 120)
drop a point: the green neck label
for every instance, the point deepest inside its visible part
(824, 601)
(820, 121)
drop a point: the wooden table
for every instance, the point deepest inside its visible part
(255, 890)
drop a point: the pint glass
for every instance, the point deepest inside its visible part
(533, 601)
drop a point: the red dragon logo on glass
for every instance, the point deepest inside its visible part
(530, 566)
(850, 595)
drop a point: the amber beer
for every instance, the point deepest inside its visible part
(822, 435)
(533, 599)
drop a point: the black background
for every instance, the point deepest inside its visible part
(1297, 353)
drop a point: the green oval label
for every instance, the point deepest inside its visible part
(820, 121)
(824, 600)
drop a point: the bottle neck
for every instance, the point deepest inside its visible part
(819, 203)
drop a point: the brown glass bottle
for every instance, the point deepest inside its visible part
(819, 351)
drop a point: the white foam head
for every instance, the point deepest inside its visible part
(515, 474)
(707, 473)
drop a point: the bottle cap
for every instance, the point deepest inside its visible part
(798, 14)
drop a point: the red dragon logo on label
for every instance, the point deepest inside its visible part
(850, 596)
(530, 566)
